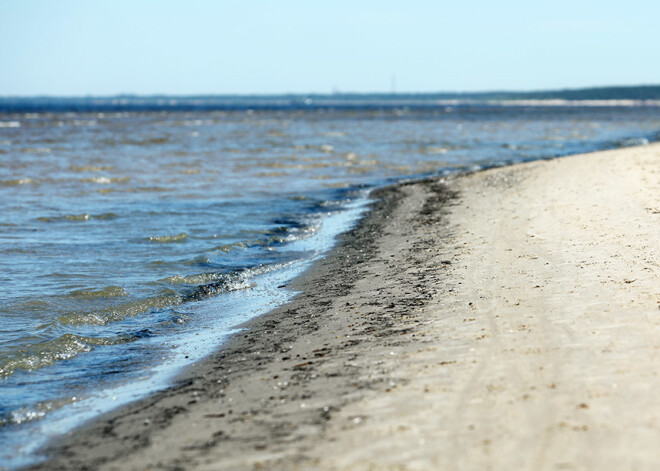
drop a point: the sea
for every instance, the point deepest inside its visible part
(137, 235)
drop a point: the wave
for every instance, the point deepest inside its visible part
(91, 168)
(44, 354)
(106, 180)
(166, 299)
(78, 217)
(632, 142)
(67, 346)
(168, 239)
(108, 292)
(17, 181)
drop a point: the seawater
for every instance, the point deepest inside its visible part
(132, 243)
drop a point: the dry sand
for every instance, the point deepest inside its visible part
(505, 320)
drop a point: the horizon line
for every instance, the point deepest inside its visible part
(334, 93)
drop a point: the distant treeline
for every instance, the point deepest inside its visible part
(645, 92)
(642, 92)
(310, 101)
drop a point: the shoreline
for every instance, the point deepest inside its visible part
(404, 319)
(328, 277)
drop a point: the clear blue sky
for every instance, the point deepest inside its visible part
(75, 47)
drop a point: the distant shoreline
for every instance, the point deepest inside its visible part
(646, 95)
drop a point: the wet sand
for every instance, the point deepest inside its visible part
(506, 319)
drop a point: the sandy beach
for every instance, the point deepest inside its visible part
(502, 320)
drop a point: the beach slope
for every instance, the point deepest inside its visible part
(505, 319)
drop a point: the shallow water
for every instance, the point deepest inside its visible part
(132, 243)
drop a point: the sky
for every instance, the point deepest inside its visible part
(182, 47)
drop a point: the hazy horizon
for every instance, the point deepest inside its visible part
(330, 94)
